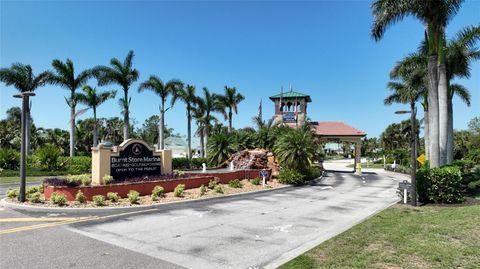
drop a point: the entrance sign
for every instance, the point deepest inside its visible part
(132, 158)
(135, 160)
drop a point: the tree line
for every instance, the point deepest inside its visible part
(123, 74)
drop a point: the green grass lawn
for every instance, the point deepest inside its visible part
(8, 180)
(403, 237)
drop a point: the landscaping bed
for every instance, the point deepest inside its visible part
(217, 189)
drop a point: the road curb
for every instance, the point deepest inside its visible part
(168, 205)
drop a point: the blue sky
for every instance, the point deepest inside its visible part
(323, 48)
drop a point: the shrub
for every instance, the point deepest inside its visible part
(13, 193)
(235, 184)
(185, 163)
(54, 181)
(99, 200)
(113, 196)
(203, 190)
(256, 181)
(212, 183)
(34, 189)
(34, 197)
(77, 164)
(48, 157)
(474, 185)
(80, 197)
(58, 199)
(218, 189)
(290, 176)
(158, 191)
(178, 173)
(107, 179)
(133, 196)
(312, 172)
(84, 179)
(9, 159)
(440, 185)
(474, 155)
(464, 165)
(179, 190)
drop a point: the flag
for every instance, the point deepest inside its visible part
(260, 110)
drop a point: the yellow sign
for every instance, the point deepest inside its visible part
(421, 159)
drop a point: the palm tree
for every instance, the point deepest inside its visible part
(187, 95)
(93, 99)
(211, 103)
(230, 100)
(295, 149)
(459, 53)
(199, 115)
(22, 78)
(124, 75)
(163, 90)
(220, 148)
(435, 15)
(64, 76)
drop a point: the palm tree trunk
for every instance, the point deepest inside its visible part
(202, 142)
(433, 112)
(230, 120)
(126, 118)
(450, 133)
(72, 127)
(161, 127)
(426, 133)
(95, 134)
(443, 112)
(206, 139)
(189, 134)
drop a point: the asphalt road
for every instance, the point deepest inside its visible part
(258, 231)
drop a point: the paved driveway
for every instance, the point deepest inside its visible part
(262, 230)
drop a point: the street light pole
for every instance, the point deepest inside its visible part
(23, 146)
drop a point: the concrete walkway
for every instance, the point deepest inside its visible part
(263, 231)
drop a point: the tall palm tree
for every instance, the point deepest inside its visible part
(230, 100)
(22, 78)
(155, 84)
(93, 99)
(459, 53)
(435, 14)
(64, 76)
(187, 95)
(199, 115)
(211, 103)
(124, 75)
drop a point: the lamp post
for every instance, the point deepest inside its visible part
(413, 141)
(23, 156)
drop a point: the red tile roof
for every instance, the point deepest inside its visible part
(337, 128)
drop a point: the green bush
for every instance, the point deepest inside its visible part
(99, 200)
(474, 155)
(84, 179)
(113, 196)
(133, 196)
(290, 176)
(107, 179)
(218, 189)
(58, 199)
(13, 193)
(178, 173)
(34, 189)
(34, 197)
(212, 183)
(464, 165)
(77, 164)
(440, 185)
(158, 191)
(235, 184)
(9, 159)
(185, 163)
(256, 181)
(203, 190)
(49, 157)
(179, 190)
(80, 197)
(312, 172)
(474, 185)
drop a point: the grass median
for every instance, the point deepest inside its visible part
(403, 237)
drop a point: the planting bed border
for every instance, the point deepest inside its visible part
(145, 188)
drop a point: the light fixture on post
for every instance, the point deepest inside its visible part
(23, 156)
